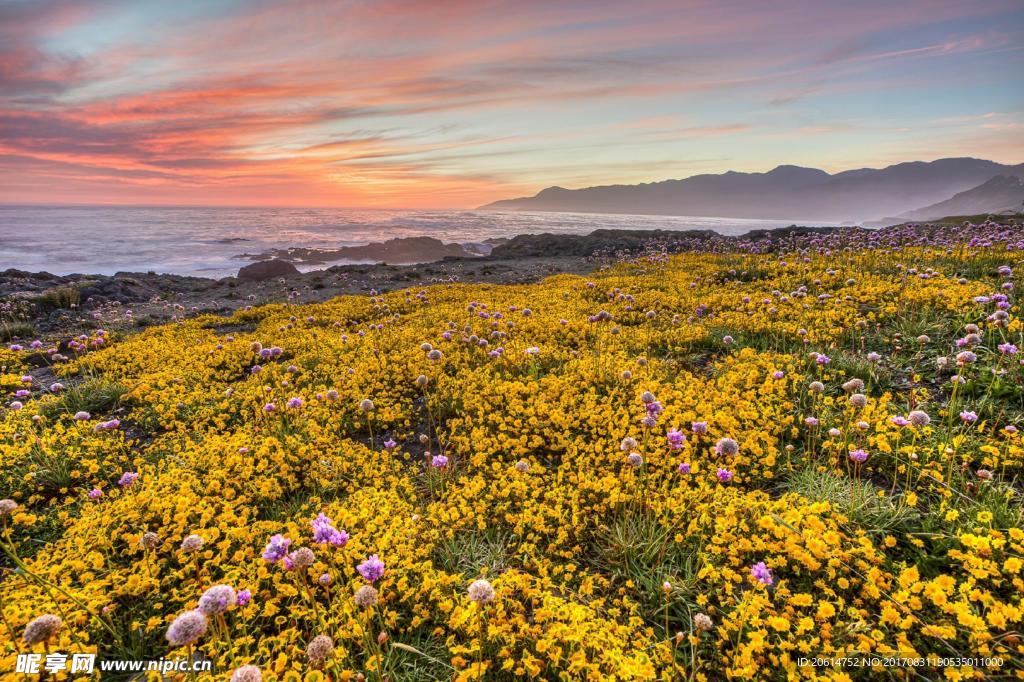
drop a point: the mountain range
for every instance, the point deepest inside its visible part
(914, 190)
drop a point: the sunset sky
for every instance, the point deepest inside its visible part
(445, 103)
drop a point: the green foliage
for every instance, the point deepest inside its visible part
(468, 553)
(58, 298)
(97, 396)
(16, 330)
(865, 504)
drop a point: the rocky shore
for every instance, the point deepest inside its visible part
(40, 304)
(398, 251)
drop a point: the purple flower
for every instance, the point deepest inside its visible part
(727, 447)
(969, 417)
(295, 403)
(919, 418)
(822, 359)
(675, 439)
(724, 475)
(269, 407)
(244, 597)
(684, 468)
(277, 549)
(372, 569)
(700, 428)
(95, 494)
(218, 599)
(778, 375)
(899, 421)
(324, 532)
(859, 456)
(439, 461)
(1007, 349)
(389, 444)
(187, 628)
(811, 421)
(761, 573)
(127, 479)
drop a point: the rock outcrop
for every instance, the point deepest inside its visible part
(267, 269)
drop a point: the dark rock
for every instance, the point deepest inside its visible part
(267, 269)
(584, 245)
(401, 250)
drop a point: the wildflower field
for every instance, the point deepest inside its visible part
(700, 466)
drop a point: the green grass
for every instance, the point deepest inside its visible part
(468, 553)
(1004, 501)
(58, 298)
(865, 504)
(638, 547)
(418, 656)
(977, 218)
(16, 330)
(97, 396)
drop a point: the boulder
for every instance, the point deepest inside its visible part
(267, 269)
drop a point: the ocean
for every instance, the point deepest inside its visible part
(205, 242)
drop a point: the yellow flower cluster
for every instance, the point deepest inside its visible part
(704, 466)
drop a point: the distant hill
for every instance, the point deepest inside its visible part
(784, 193)
(1003, 193)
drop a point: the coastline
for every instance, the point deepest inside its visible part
(40, 304)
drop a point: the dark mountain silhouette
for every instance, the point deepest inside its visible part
(784, 193)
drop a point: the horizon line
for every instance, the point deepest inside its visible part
(79, 204)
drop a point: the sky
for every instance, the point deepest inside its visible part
(453, 103)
